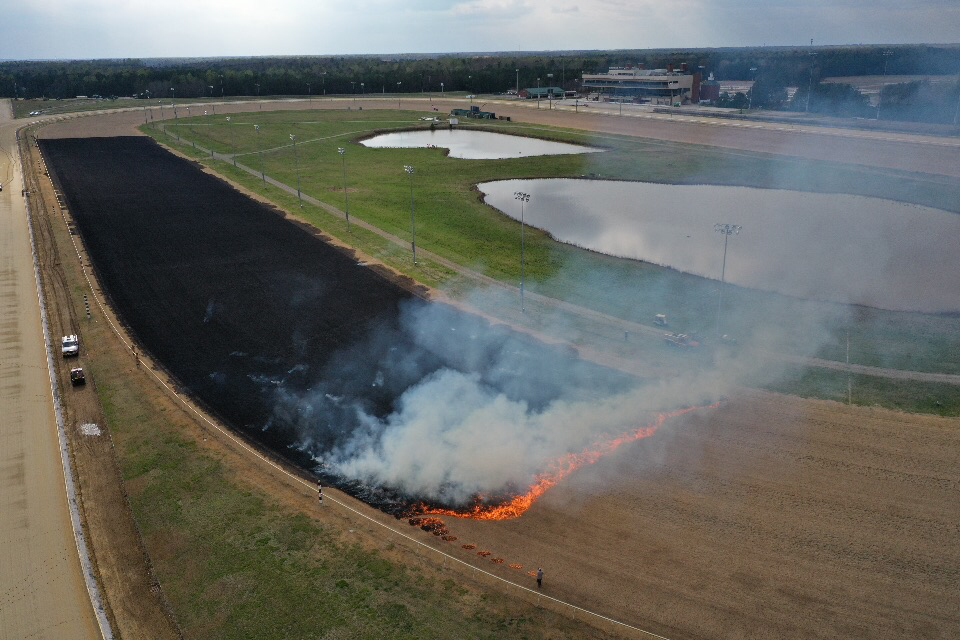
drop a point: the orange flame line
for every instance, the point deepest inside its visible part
(558, 470)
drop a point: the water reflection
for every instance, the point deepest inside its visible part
(825, 246)
(475, 145)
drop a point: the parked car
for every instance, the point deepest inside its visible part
(70, 346)
(77, 377)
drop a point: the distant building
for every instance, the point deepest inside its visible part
(709, 90)
(546, 93)
(660, 86)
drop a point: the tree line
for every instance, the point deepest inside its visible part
(772, 68)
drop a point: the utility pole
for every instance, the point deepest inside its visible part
(726, 230)
(296, 158)
(263, 176)
(346, 202)
(413, 214)
(523, 198)
(810, 81)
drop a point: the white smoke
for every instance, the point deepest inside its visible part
(452, 436)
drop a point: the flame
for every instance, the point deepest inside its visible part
(557, 470)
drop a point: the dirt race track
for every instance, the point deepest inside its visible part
(769, 517)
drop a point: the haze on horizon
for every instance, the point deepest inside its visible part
(87, 29)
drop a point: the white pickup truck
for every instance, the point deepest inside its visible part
(70, 346)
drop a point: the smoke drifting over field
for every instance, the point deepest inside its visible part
(446, 407)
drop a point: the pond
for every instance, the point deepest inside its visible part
(475, 145)
(836, 247)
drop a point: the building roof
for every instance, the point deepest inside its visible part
(544, 91)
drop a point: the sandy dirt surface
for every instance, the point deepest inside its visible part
(42, 592)
(768, 517)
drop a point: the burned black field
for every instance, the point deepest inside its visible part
(286, 338)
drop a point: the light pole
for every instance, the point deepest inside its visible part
(413, 215)
(296, 159)
(538, 93)
(549, 91)
(173, 102)
(886, 59)
(258, 99)
(518, 82)
(353, 90)
(523, 198)
(753, 76)
(346, 201)
(398, 96)
(726, 230)
(441, 89)
(231, 142)
(323, 78)
(309, 94)
(263, 176)
(809, 84)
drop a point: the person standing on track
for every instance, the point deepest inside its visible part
(539, 578)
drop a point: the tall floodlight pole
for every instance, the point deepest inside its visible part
(726, 230)
(523, 198)
(258, 98)
(309, 93)
(346, 201)
(413, 214)
(263, 176)
(323, 78)
(886, 59)
(353, 91)
(173, 102)
(809, 84)
(232, 146)
(296, 159)
(518, 82)
(441, 89)
(753, 74)
(398, 95)
(538, 93)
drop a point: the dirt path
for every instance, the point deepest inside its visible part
(770, 517)
(134, 600)
(42, 591)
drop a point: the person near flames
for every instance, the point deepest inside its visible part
(539, 578)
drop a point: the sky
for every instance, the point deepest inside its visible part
(44, 29)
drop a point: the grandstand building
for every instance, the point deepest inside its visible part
(636, 84)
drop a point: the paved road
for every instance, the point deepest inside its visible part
(42, 591)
